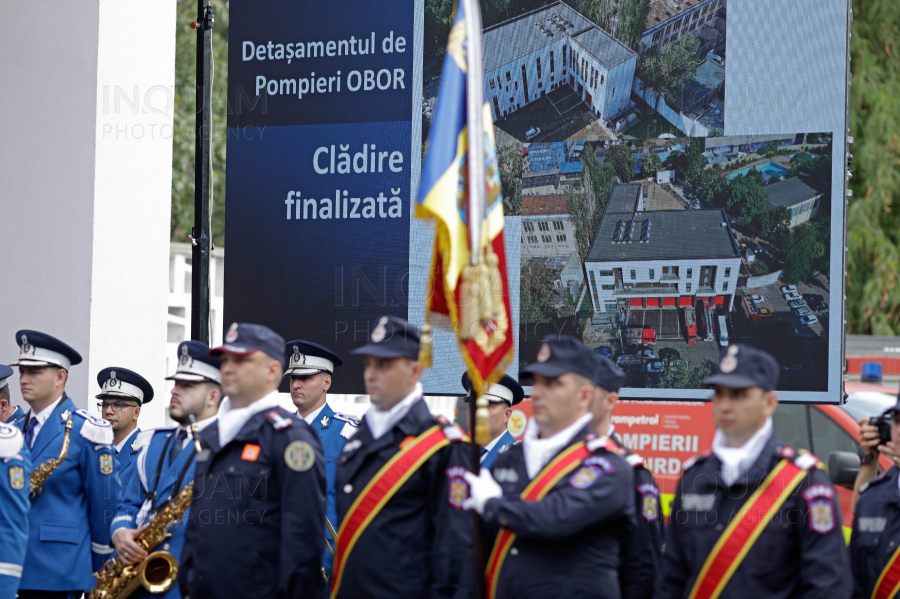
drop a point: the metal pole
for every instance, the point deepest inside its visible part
(474, 107)
(200, 238)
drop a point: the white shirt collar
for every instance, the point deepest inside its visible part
(122, 443)
(201, 424)
(539, 452)
(612, 429)
(44, 414)
(311, 417)
(232, 421)
(737, 460)
(490, 446)
(381, 422)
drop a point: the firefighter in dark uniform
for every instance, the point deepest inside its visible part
(411, 545)
(566, 543)
(753, 517)
(258, 511)
(876, 524)
(642, 554)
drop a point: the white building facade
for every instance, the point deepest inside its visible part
(669, 20)
(535, 53)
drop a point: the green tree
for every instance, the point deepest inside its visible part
(567, 310)
(746, 198)
(438, 19)
(694, 161)
(773, 223)
(667, 71)
(633, 22)
(510, 159)
(535, 287)
(716, 132)
(602, 177)
(759, 268)
(802, 250)
(183, 133)
(622, 160)
(873, 292)
(599, 12)
(712, 186)
(651, 163)
(679, 375)
(585, 216)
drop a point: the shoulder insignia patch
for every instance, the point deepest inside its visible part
(649, 501)
(299, 456)
(457, 486)
(585, 477)
(106, 464)
(17, 478)
(278, 422)
(820, 500)
(453, 432)
(601, 462)
(143, 439)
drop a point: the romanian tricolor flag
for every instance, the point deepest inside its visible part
(474, 301)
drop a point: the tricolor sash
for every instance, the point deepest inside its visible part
(563, 464)
(741, 534)
(889, 581)
(379, 491)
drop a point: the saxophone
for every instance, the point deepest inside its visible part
(40, 474)
(159, 570)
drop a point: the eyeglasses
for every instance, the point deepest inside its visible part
(116, 406)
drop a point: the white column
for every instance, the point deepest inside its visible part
(86, 168)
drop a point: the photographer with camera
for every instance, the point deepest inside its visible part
(874, 553)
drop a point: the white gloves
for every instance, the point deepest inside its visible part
(482, 488)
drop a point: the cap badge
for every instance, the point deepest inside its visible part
(232, 335)
(729, 363)
(113, 381)
(27, 348)
(297, 358)
(544, 353)
(380, 331)
(185, 359)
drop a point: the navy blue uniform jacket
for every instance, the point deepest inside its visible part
(568, 544)
(415, 546)
(258, 513)
(800, 553)
(876, 531)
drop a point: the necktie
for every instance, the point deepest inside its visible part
(176, 447)
(29, 434)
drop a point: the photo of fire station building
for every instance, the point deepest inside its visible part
(535, 53)
(643, 266)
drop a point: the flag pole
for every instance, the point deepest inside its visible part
(478, 409)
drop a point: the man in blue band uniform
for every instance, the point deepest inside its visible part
(122, 393)
(166, 458)
(568, 543)
(501, 396)
(800, 552)
(415, 546)
(68, 525)
(311, 367)
(15, 464)
(10, 414)
(642, 552)
(258, 513)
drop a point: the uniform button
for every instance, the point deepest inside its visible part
(719, 527)
(210, 477)
(514, 551)
(231, 469)
(348, 488)
(891, 544)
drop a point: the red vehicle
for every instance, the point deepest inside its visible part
(690, 324)
(639, 336)
(751, 310)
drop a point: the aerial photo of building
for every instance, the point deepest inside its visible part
(530, 55)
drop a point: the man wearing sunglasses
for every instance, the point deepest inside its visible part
(122, 393)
